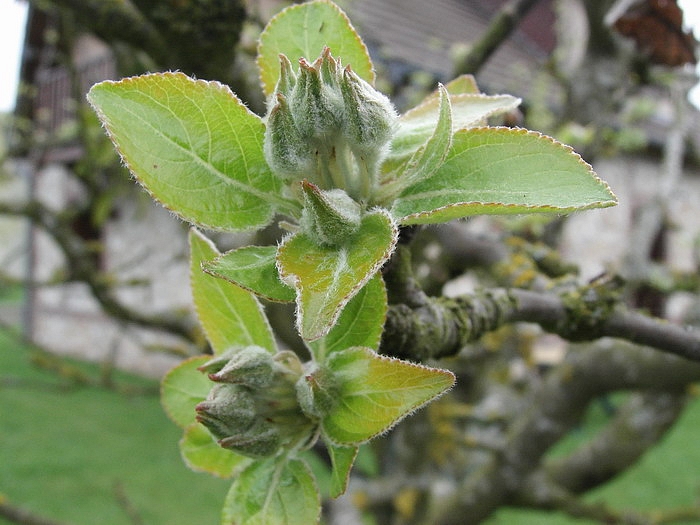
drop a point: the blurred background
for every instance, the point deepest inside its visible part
(94, 306)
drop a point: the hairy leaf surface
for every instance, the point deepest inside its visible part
(194, 146)
(327, 277)
(275, 491)
(202, 453)
(303, 31)
(253, 268)
(503, 171)
(376, 392)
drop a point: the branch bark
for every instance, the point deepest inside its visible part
(638, 425)
(443, 326)
(553, 409)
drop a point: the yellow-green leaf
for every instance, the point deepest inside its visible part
(202, 453)
(275, 491)
(182, 388)
(327, 277)
(253, 268)
(195, 147)
(303, 31)
(376, 392)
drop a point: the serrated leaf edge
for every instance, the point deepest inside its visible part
(408, 412)
(409, 219)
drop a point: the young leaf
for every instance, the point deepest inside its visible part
(503, 171)
(468, 110)
(202, 453)
(327, 277)
(230, 316)
(182, 388)
(428, 158)
(360, 323)
(376, 392)
(253, 268)
(194, 146)
(303, 31)
(276, 491)
(342, 459)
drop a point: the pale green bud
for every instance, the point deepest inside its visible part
(253, 408)
(328, 126)
(329, 216)
(261, 440)
(228, 410)
(317, 392)
(370, 118)
(287, 79)
(288, 154)
(252, 366)
(316, 104)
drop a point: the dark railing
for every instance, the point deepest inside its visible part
(58, 89)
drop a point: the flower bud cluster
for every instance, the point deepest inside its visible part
(253, 408)
(328, 126)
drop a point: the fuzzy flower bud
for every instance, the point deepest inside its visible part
(253, 408)
(328, 126)
(369, 116)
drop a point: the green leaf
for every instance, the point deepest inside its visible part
(194, 146)
(376, 392)
(303, 31)
(202, 453)
(503, 171)
(430, 156)
(327, 277)
(275, 491)
(253, 268)
(360, 323)
(230, 316)
(182, 388)
(468, 110)
(461, 85)
(342, 459)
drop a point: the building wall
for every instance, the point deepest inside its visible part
(146, 246)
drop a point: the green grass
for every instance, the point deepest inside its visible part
(62, 452)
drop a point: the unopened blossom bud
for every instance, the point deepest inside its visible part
(329, 216)
(228, 410)
(370, 118)
(317, 392)
(328, 126)
(289, 155)
(253, 408)
(251, 366)
(316, 104)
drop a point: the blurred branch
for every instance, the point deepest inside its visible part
(22, 516)
(638, 425)
(554, 407)
(499, 29)
(126, 504)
